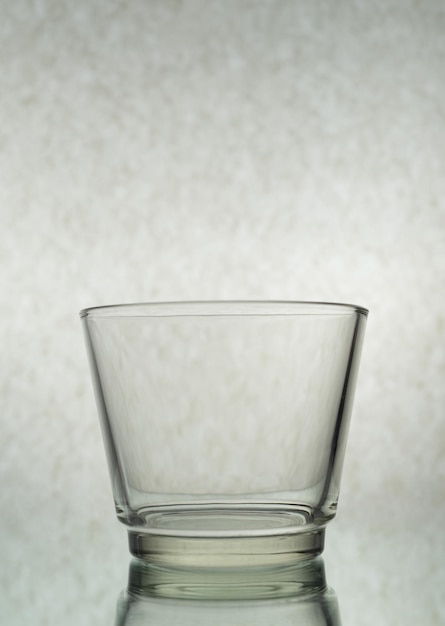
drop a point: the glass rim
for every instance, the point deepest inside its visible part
(207, 308)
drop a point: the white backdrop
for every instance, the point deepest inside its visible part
(169, 150)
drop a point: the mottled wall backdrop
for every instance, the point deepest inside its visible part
(168, 150)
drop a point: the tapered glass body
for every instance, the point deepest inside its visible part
(225, 424)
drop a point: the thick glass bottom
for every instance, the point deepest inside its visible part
(226, 538)
(300, 580)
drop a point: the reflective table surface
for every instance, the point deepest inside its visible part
(362, 578)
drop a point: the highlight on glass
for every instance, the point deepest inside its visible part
(225, 424)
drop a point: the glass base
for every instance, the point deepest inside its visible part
(300, 580)
(226, 538)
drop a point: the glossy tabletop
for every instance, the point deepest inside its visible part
(362, 579)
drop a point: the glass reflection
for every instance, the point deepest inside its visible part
(286, 596)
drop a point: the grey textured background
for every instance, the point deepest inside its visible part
(167, 150)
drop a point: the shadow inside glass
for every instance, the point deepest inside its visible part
(281, 596)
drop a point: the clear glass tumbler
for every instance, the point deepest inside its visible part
(225, 425)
